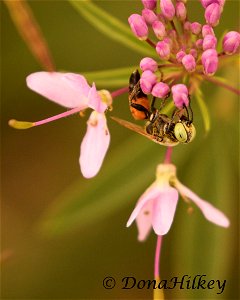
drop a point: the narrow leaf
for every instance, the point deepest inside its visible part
(111, 26)
(87, 202)
(110, 78)
(30, 31)
(203, 108)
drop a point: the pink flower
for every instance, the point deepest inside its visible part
(147, 81)
(189, 63)
(206, 29)
(209, 42)
(181, 11)
(167, 9)
(150, 4)
(163, 49)
(199, 43)
(148, 63)
(210, 61)
(159, 29)
(196, 28)
(160, 90)
(149, 16)
(206, 3)
(180, 55)
(231, 42)
(193, 52)
(212, 14)
(180, 95)
(156, 207)
(138, 26)
(72, 91)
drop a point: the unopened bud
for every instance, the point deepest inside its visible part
(193, 52)
(180, 95)
(138, 26)
(160, 90)
(209, 42)
(181, 11)
(147, 81)
(180, 55)
(159, 29)
(212, 14)
(206, 29)
(163, 49)
(210, 61)
(196, 28)
(231, 42)
(149, 16)
(199, 43)
(167, 9)
(148, 63)
(150, 4)
(189, 63)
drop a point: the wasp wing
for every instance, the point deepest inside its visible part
(141, 131)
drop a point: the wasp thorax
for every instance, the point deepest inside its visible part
(184, 132)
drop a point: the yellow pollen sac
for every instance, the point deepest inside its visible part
(106, 97)
(19, 124)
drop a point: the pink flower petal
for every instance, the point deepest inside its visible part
(150, 194)
(144, 221)
(94, 145)
(164, 208)
(211, 213)
(66, 89)
(95, 101)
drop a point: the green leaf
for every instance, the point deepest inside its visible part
(122, 180)
(111, 26)
(204, 110)
(110, 78)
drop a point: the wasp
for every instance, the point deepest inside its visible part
(138, 101)
(161, 129)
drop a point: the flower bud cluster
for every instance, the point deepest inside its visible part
(149, 80)
(191, 49)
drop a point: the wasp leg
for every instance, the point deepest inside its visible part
(152, 104)
(141, 108)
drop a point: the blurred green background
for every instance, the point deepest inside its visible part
(66, 233)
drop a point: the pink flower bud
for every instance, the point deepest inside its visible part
(187, 26)
(159, 29)
(180, 55)
(212, 14)
(138, 26)
(196, 28)
(167, 9)
(163, 49)
(181, 11)
(206, 29)
(193, 52)
(150, 4)
(210, 61)
(199, 43)
(160, 90)
(147, 81)
(148, 63)
(149, 16)
(209, 42)
(180, 95)
(206, 3)
(231, 42)
(189, 63)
